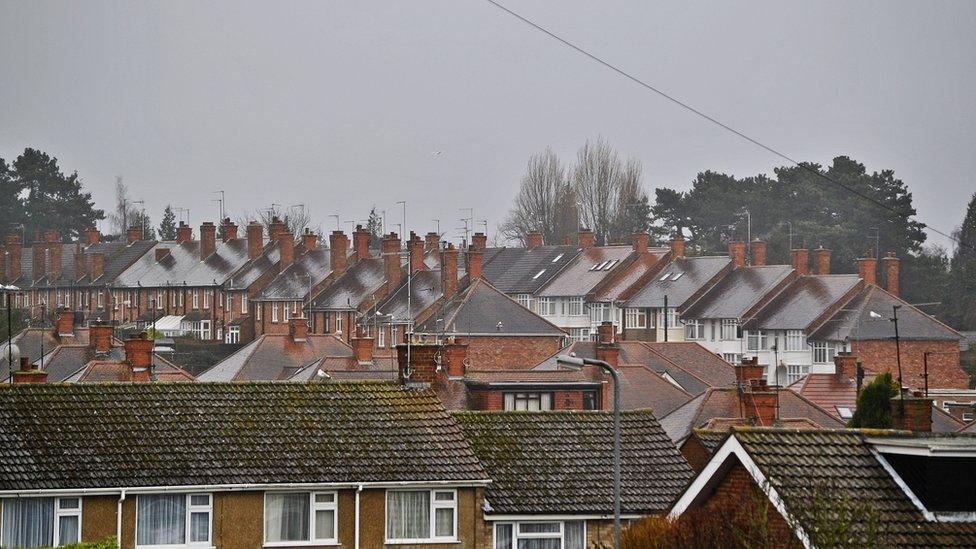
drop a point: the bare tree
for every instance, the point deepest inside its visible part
(545, 202)
(611, 195)
(296, 219)
(129, 213)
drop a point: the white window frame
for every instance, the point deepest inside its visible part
(196, 299)
(579, 334)
(726, 325)
(758, 337)
(233, 334)
(394, 334)
(434, 506)
(635, 318)
(244, 303)
(338, 323)
(545, 306)
(206, 298)
(601, 312)
(825, 349)
(576, 306)
(694, 330)
(274, 311)
(188, 510)
(313, 506)
(796, 372)
(160, 300)
(173, 298)
(795, 340)
(58, 514)
(525, 300)
(381, 336)
(672, 317)
(517, 535)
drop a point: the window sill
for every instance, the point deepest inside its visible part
(177, 546)
(422, 542)
(323, 543)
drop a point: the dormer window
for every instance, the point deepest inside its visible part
(935, 474)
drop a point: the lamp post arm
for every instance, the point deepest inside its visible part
(606, 367)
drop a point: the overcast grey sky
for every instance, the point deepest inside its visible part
(342, 105)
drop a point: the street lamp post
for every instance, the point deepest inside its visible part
(10, 330)
(576, 363)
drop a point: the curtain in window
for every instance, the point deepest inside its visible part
(408, 515)
(536, 543)
(286, 517)
(503, 536)
(28, 522)
(68, 528)
(573, 532)
(161, 519)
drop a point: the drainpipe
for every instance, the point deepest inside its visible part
(358, 490)
(118, 520)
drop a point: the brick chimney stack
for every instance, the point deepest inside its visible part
(891, 267)
(161, 254)
(587, 238)
(184, 233)
(677, 246)
(3, 264)
(298, 329)
(479, 241)
(138, 353)
(800, 260)
(474, 258)
(54, 254)
(533, 240)
(79, 263)
(917, 413)
(821, 261)
(15, 249)
(607, 349)
(66, 323)
(449, 271)
(640, 240)
(867, 268)
(390, 247)
(360, 242)
(845, 367)
(760, 407)
(310, 241)
(228, 230)
(338, 251)
(92, 236)
(749, 373)
(38, 260)
(362, 347)
(27, 373)
(416, 248)
(432, 241)
(97, 265)
(286, 249)
(208, 239)
(133, 234)
(737, 251)
(255, 240)
(758, 248)
(453, 356)
(100, 338)
(277, 229)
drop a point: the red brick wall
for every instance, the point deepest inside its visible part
(695, 453)
(738, 492)
(494, 399)
(509, 353)
(944, 371)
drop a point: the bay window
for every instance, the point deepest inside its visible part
(173, 519)
(525, 300)
(541, 535)
(600, 312)
(670, 316)
(823, 352)
(729, 329)
(795, 340)
(545, 306)
(635, 318)
(579, 334)
(40, 522)
(756, 341)
(694, 329)
(419, 516)
(576, 306)
(794, 372)
(301, 517)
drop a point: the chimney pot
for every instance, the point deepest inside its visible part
(133, 234)
(416, 248)
(255, 240)
(161, 253)
(449, 271)
(208, 239)
(758, 248)
(640, 240)
(100, 338)
(277, 229)
(92, 236)
(737, 251)
(800, 261)
(677, 246)
(184, 233)
(138, 353)
(867, 268)
(228, 230)
(338, 251)
(917, 413)
(821, 261)
(533, 240)
(891, 268)
(310, 240)
(479, 241)
(360, 242)
(432, 242)
(390, 247)
(845, 367)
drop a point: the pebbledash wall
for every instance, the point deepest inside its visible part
(238, 520)
(943, 361)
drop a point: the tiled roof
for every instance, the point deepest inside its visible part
(839, 465)
(685, 277)
(724, 403)
(425, 290)
(30, 341)
(183, 265)
(533, 377)
(357, 284)
(854, 320)
(57, 436)
(558, 462)
(614, 286)
(293, 283)
(738, 292)
(581, 276)
(642, 389)
(710, 440)
(480, 308)
(277, 357)
(524, 271)
(805, 300)
(697, 360)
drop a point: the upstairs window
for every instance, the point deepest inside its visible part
(730, 330)
(795, 340)
(670, 316)
(694, 330)
(525, 300)
(600, 312)
(244, 303)
(824, 352)
(531, 402)
(381, 337)
(756, 341)
(576, 306)
(635, 318)
(546, 306)
(206, 299)
(196, 299)
(421, 516)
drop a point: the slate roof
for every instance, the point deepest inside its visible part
(694, 273)
(579, 277)
(557, 462)
(695, 359)
(57, 436)
(517, 270)
(183, 265)
(805, 300)
(842, 465)
(354, 286)
(724, 403)
(425, 290)
(738, 292)
(118, 256)
(854, 321)
(29, 341)
(292, 283)
(613, 288)
(479, 308)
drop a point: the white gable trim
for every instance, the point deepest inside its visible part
(929, 515)
(733, 448)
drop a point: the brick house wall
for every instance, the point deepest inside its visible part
(493, 399)
(511, 352)
(944, 370)
(694, 453)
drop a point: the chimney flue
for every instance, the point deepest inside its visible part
(277, 228)
(479, 241)
(800, 261)
(15, 249)
(587, 239)
(867, 268)
(338, 251)
(100, 338)
(911, 412)
(449, 271)
(390, 247)
(821, 261)
(891, 268)
(640, 240)
(92, 236)
(286, 249)
(184, 233)
(533, 240)
(208, 239)
(758, 248)
(97, 265)
(310, 240)
(134, 234)
(432, 242)
(360, 242)
(474, 263)
(298, 329)
(255, 240)
(228, 230)
(677, 246)
(138, 353)
(415, 247)
(737, 251)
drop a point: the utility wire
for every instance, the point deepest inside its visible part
(726, 127)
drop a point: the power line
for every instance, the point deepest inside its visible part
(722, 125)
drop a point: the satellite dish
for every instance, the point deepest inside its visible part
(14, 354)
(782, 373)
(322, 374)
(873, 314)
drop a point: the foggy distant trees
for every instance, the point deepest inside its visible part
(296, 219)
(599, 192)
(129, 213)
(35, 195)
(959, 303)
(167, 227)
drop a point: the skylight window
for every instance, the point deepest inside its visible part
(557, 258)
(598, 266)
(610, 264)
(676, 276)
(665, 277)
(845, 412)
(538, 274)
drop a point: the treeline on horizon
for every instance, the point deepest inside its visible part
(606, 194)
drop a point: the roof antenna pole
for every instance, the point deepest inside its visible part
(665, 318)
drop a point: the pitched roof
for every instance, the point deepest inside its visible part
(841, 467)
(524, 270)
(293, 282)
(424, 291)
(621, 280)
(556, 462)
(738, 292)
(57, 436)
(724, 403)
(854, 320)
(183, 265)
(805, 300)
(587, 269)
(685, 277)
(30, 341)
(482, 309)
(643, 389)
(692, 357)
(357, 284)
